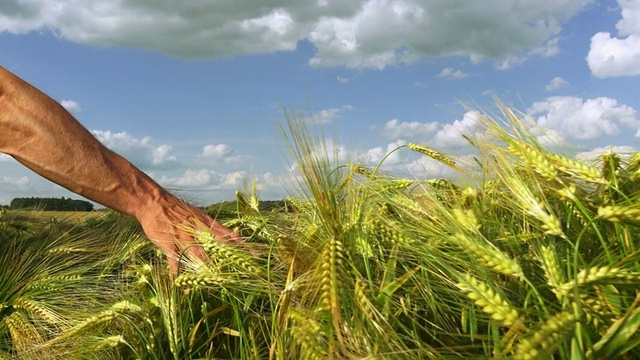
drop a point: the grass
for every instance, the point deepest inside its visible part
(526, 253)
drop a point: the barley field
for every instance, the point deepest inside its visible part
(525, 253)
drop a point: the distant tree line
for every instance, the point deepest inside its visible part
(54, 204)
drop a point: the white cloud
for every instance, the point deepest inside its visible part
(233, 180)
(450, 73)
(356, 34)
(327, 116)
(548, 49)
(342, 80)
(510, 62)
(556, 83)
(375, 155)
(221, 153)
(218, 151)
(190, 178)
(618, 56)
(205, 179)
(71, 106)
(141, 152)
(451, 134)
(580, 119)
(624, 151)
(21, 182)
(396, 129)
(427, 168)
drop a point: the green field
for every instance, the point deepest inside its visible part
(523, 253)
(74, 217)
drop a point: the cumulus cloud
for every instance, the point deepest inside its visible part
(205, 179)
(425, 168)
(327, 116)
(141, 152)
(400, 129)
(221, 153)
(625, 151)
(190, 178)
(355, 34)
(451, 134)
(450, 73)
(575, 118)
(556, 83)
(233, 180)
(375, 155)
(618, 56)
(21, 182)
(71, 106)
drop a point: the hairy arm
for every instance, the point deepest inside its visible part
(39, 133)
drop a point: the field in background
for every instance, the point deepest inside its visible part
(74, 217)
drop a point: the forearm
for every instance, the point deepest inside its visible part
(43, 136)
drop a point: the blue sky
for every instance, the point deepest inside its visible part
(192, 92)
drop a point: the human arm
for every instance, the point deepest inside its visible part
(39, 133)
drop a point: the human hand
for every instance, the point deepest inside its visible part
(170, 225)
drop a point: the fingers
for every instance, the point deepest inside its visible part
(173, 266)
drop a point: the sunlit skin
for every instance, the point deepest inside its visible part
(39, 133)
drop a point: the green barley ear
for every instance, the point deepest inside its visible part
(332, 278)
(432, 153)
(487, 254)
(308, 335)
(234, 255)
(366, 172)
(37, 310)
(199, 280)
(610, 164)
(490, 301)
(102, 318)
(576, 168)
(436, 155)
(388, 231)
(600, 274)
(25, 335)
(552, 270)
(543, 342)
(621, 214)
(534, 158)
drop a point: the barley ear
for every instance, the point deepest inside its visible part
(543, 342)
(491, 302)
